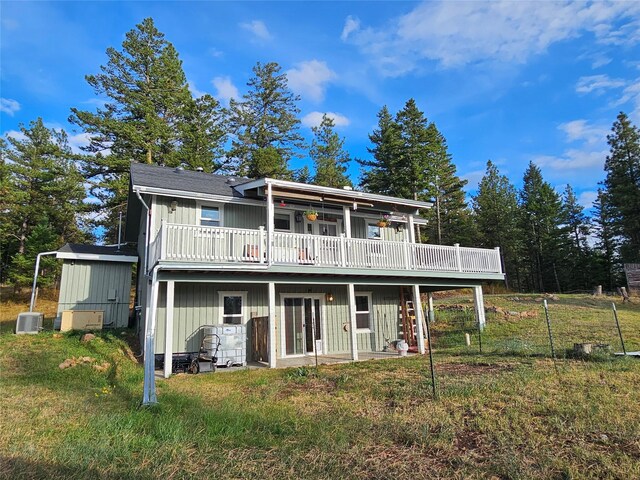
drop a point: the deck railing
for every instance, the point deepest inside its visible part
(191, 243)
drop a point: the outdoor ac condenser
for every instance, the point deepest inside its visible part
(29, 322)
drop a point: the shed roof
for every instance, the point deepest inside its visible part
(102, 253)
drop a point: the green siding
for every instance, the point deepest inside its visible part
(185, 212)
(85, 285)
(244, 216)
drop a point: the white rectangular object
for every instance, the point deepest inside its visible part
(29, 323)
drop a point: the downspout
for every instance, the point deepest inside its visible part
(149, 382)
(147, 234)
(35, 279)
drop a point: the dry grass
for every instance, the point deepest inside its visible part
(497, 416)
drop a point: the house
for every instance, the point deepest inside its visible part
(224, 250)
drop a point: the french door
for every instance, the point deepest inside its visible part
(302, 325)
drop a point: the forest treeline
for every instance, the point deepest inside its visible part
(50, 195)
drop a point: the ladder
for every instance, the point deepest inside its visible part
(408, 318)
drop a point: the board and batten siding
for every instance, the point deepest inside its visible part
(85, 285)
(197, 304)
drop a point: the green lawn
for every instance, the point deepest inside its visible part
(503, 414)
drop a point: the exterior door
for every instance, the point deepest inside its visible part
(302, 325)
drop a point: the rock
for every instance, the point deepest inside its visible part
(102, 367)
(57, 335)
(513, 314)
(87, 337)
(531, 314)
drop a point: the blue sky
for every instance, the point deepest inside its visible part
(508, 81)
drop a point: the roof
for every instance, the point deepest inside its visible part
(155, 176)
(103, 253)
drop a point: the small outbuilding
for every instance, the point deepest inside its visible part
(97, 278)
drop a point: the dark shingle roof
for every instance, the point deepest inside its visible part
(183, 180)
(79, 248)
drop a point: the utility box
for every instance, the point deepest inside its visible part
(82, 320)
(233, 344)
(29, 323)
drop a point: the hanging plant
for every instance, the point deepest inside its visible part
(384, 221)
(312, 215)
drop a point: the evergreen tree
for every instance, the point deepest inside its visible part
(577, 253)
(496, 215)
(149, 117)
(265, 124)
(45, 191)
(377, 173)
(411, 160)
(607, 263)
(328, 155)
(541, 217)
(623, 185)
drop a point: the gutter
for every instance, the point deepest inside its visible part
(147, 235)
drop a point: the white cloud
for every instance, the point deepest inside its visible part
(9, 106)
(225, 88)
(80, 140)
(573, 160)
(597, 83)
(314, 119)
(16, 135)
(473, 178)
(351, 24)
(631, 94)
(587, 198)
(194, 90)
(257, 28)
(581, 130)
(458, 33)
(310, 79)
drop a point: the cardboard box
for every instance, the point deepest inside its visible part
(82, 320)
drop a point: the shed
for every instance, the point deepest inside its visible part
(632, 272)
(96, 277)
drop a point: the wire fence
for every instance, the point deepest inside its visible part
(518, 326)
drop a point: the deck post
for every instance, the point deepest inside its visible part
(352, 321)
(272, 324)
(411, 230)
(478, 301)
(270, 217)
(458, 256)
(168, 330)
(417, 305)
(346, 212)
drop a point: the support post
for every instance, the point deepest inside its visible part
(351, 291)
(478, 301)
(458, 256)
(272, 324)
(168, 330)
(149, 385)
(432, 314)
(417, 305)
(270, 220)
(411, 230)
(346, 212)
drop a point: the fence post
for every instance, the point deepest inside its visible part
(615, 315)
(458, 256)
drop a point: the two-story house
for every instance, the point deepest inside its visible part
(225, 250)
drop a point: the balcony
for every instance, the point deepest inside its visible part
(187, 244)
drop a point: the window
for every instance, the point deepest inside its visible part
(363, 309)
(232, 305)
(282, 222)
(373, 231)
(210, 216)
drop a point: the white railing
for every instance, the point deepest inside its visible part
(191, 243)
(213, 244)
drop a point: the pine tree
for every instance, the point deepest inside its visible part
(377, 173)
(577, 253)
(541, 217)
(46, 193)
(328, 155)
(607, 261)
(623, 185)
(149, 117)
(265, 124)
(411, 160)
(496, 216)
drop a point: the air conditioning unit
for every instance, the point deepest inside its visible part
(81, 320)
(29, 322)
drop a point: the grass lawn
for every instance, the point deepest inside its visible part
(504, 414)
